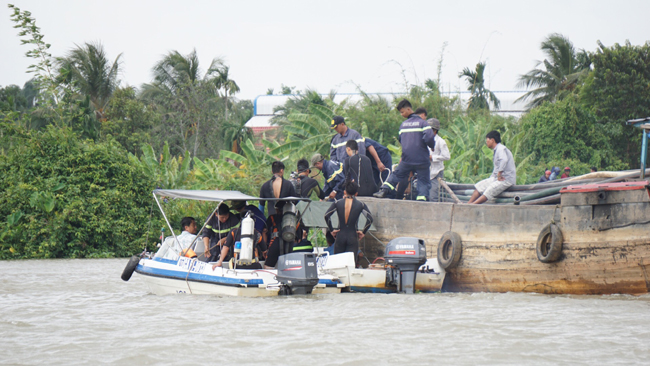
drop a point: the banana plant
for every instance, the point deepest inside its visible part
(164, 171)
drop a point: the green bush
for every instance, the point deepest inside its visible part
(61, 197)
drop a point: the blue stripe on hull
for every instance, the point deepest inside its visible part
(196, 277)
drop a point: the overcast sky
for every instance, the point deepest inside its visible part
(326, 45)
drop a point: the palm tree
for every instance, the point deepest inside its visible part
(559, 74)
(224, 82)
(87, 69)
(179, 83)
(481, 97)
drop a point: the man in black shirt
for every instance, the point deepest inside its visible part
(216, 230)
(349, 209)
(228, 249)
(303, 184)
(276, 187)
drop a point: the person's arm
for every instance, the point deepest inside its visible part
(206, 243)
(224, 253)
(332, 148)
(428, 135)
(375, 156)
(500, 161)
(328, 214)
(366, 212)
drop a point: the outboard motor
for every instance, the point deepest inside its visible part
(403, 258)
(298, 273)
(247, 232)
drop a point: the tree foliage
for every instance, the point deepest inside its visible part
(618, 89)
(481, 96)
(63, 197)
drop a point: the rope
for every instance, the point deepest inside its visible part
(389, 173)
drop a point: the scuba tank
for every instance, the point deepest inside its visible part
(247, 237)
(289, 222)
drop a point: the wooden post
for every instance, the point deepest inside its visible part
(446, 187)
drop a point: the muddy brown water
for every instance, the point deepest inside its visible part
(79, 312)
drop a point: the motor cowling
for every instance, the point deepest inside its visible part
(247, 240)
(298, 273)
(403, 258)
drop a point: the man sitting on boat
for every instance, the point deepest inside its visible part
(348, 211)
(216, 231)
(257, 214)
(185, 239)
(227, 250)
(503, 175)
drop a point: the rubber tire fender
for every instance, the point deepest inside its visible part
(130, 267)
(549, 244)
(449, 250)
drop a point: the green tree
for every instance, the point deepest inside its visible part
(616, 90)
(566, 131)
(189, 102)
(559, 73)
(481, 97)
(62, 197)
(88, 71)
(128, 120)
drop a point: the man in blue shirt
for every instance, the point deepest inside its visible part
(343, 135)
(415, 135)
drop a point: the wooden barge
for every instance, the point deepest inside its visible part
(596, 241)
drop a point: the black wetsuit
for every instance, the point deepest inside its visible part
(347, 239)
(359, 169)
(308, 186)
(266, 191)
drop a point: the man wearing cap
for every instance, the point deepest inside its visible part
(343, 134)
(304, 184)
(567, 173)
(380, 159)
(437, 156)
(503, 175)
(333, 174)
(415, 135)
(545, 177)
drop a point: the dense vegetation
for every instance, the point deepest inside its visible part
(80, 154)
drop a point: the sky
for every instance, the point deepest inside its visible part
(376, 46)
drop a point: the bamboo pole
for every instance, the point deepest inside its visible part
(446, 187)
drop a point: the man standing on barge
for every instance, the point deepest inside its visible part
(503, 175)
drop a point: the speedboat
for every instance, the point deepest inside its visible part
(171, 270)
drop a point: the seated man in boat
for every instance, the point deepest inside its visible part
(304, 245)
(503, 175)
(216, 231)
(185, 239)
(348, 211)
(228, 249)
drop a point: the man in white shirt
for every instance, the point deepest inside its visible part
(189, 232)
(439, 154)
(503, 176)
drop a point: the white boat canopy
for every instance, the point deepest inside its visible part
(208, 195)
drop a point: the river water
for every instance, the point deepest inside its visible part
(69, 312)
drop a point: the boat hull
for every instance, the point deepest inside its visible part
(605, 249)
(185, 276)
